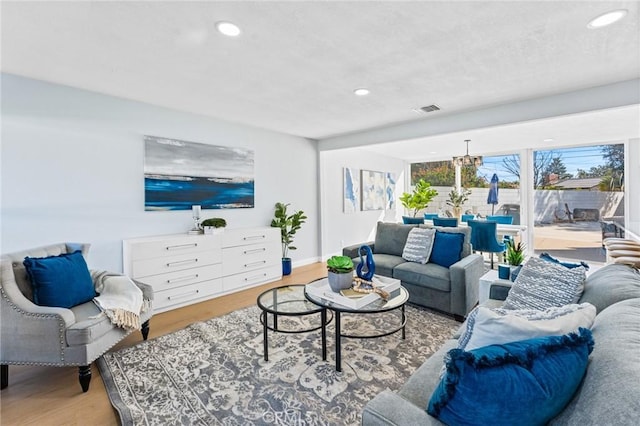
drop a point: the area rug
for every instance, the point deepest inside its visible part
(214, 373)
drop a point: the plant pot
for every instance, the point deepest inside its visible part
(212, 230)
(286, 266)
(408, 220)
(457, 213)
(339, 282)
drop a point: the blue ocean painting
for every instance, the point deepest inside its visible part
(391, 190)
(169, 193)
(180, 174)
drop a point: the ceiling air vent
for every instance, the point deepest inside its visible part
(430, 108)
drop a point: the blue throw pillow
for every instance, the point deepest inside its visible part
(570, 265)
(520, 383)
(62, 281)
(447, 248)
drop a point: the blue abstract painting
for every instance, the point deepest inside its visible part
(351, 180)
(179, 174)
(391, 190)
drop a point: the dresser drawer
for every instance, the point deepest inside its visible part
(248, 258)
(183, 277)
(245, 279)
(185, 294)
(241, 237)
(178, 262)
(174, 246)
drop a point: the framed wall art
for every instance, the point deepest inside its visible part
(351, 189)
(179, 174)
(373, 190)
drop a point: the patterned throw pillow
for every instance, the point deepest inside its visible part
(419, 244)
(498, 326)
(541, 285)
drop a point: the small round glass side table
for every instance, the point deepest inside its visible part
(290, 301)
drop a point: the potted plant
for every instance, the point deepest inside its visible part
(514, 258)
(289, 224)
(340, 273)
(456, 200)
(515, 252)
(214, 225)
(419, 199)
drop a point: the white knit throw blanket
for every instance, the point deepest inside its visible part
(121, 301)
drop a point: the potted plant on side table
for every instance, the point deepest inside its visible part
(289, 225)
(340, 273)
(514, 258)
(419, 199)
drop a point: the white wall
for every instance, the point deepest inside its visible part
(72, 170)
(338, 228)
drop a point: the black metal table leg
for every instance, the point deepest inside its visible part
(323, 318)
(338, 338)
(264, 336)
(403, 323)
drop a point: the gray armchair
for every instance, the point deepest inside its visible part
(41, 335)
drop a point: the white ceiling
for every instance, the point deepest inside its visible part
(295, 66)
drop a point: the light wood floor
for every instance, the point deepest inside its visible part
(52, 396)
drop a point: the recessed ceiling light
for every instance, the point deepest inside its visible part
(548, 140)
(361, 92)
(607, 18)
(228, 29)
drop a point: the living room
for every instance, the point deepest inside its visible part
(77, 103)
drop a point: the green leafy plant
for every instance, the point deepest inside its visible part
(515, 253)
(289, 225)
(216, 222)
(458, 199)
(340, 264)
(420, 198)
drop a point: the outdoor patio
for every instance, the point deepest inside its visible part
(572, 241)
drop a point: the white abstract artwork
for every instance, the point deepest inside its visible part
(373, 190)
(351, 190)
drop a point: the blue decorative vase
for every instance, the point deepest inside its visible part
(286, 266)
(368, 263)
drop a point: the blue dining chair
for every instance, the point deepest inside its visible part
(450, 222)
(467, 217)
(430, 216)
(502, 220)
(484, 237)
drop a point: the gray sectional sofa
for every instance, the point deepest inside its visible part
(453, 290)
(609, 393)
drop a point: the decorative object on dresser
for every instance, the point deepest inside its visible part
(340, 273)
(195, 214)
(186, 269)
(214, 225)
(418, 200)
(289, 225)
(178, 174)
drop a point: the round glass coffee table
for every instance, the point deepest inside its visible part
(290, 301)
(397, 301)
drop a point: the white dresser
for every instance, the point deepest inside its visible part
(185, 269)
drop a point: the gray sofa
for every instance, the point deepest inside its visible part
(453, 290)
(609, 393)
